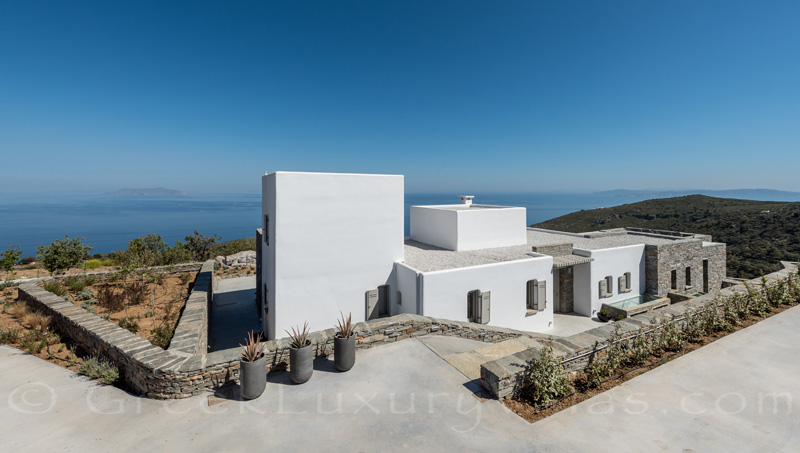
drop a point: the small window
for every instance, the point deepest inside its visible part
(674, 278)
(266, 229)
(536, 295)
(688, 276)
(609, 286)
(627, 281)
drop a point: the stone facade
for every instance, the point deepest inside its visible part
(666, 267)
(554, 249)
(566, 289)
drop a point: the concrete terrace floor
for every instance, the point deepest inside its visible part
(234, 313)
(404, 395)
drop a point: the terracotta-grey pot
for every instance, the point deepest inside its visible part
(253, 377)
(301, 363)
(344, 352)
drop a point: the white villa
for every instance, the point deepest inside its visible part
(334, 243)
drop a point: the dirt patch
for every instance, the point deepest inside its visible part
(148, 306)
(583, 393)
(232, 272)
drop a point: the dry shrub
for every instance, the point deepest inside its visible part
(110, 300)
(37, 321)
(18, 310)
(136, 292)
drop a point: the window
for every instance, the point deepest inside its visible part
(536, 295)
(688, 276)
(674, 278)
(266, 229)
(625, 282)
(472, 305)
(609, 286)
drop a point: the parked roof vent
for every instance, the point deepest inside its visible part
(466, 199)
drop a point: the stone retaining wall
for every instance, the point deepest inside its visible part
(504, 376)
(186, 369)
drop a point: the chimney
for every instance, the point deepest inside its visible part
(466, 199)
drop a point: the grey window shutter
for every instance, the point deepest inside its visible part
(372, 304)
(531, 295)
(542, 295)
(622, 280)
(603, 288)
(485, 307)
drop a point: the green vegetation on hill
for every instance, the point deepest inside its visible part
(757, 240)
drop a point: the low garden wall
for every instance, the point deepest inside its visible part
(185, 368)
(505, 376)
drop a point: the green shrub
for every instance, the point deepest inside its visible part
(62, 254)
(92, 264)
(161, 336)
(544, 379)
(90, 280)
(74, 283)
(99, 369)
(55, 288)
(86, 294)
(108, 262)
(10, 336)
(136, 292)
(129, 323)
(670, 338)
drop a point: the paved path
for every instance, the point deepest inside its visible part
(404, 396)
(234, 312)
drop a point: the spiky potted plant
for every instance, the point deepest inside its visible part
(604, 315)
(301, 355)
(252, 367)
(344, 344)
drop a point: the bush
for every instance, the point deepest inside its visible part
(129, 323)
(99, 369)
(18, 310)
(55, 288)
(27, 260)
(62, 254)
(107, 262)
(74, 283)
(110, 299)
(92, 264)
(161, 336)
(544, 379)
(37, 321)
(9, 258)
(86, 294)
(200, 246)
(136, 292)
(10, 336)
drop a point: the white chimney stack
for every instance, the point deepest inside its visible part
(466, 199)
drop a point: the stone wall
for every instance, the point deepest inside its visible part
(662, 260)
(186, 369)
(566, 289)
(504, 376)
(554, 249)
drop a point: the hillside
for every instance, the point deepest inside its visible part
(757, 240)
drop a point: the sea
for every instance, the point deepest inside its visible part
(108, 223)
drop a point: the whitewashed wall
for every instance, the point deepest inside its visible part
(406, 278)
(335, 236)
(489, 228)
(434, 226)
(444, 293)
(614, 262)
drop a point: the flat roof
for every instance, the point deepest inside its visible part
(538, 237)
(463, 207)
(429, 258)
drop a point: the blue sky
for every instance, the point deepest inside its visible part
(458, 96)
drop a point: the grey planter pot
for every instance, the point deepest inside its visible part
(344, 353)
(301, 363)
(253, 377)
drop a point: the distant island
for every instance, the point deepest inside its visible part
(157, 192)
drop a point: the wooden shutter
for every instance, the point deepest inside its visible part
(485, 303)
(541, 294)
(603, 288)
